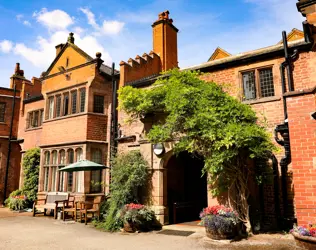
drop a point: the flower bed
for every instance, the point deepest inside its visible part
(305, 237)
(220, 222)
(137, 217)
(17, 201)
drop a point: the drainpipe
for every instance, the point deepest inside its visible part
(114, 120)
(283, 129)
(9, 148)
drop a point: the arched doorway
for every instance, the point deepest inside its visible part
(186, 187)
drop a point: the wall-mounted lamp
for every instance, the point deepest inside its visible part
(313, 115)
(159, 149)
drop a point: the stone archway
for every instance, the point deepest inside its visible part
(185, 189)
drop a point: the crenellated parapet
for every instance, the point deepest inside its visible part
(140, 67)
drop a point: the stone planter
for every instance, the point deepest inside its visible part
(305, 242)
(218, 235)
(129, 227)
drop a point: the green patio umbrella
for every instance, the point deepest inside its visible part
(83, 165)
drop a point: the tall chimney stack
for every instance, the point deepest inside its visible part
(165, 41)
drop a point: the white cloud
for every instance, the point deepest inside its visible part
(6, 46)
(90, 17)
(111, 27)
(27, 23)
(78, 30)
(44, 52)
(55, 19)
(19, 17)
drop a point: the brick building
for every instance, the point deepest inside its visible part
(67, 113)
(24, 88)
(67, 117)
(256, 79)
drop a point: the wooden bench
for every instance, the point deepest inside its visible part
(53, 201)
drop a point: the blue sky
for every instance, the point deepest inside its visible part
(30, 30)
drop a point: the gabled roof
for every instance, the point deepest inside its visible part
(104, 68)
(219, 53)
(294, 35)
(250, 56)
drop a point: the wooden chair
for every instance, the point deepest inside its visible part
(90, 206)
(70, 207)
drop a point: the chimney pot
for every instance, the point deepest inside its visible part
(71, 38)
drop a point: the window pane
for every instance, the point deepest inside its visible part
(54, 175)
(97, 156)
(46, 172)
(249, 85)
(95, 185)
(47, 157)
(35, 119)
(74, 102)
(62, 157)
(30, 119)
(54, 154)
(41, 117)
(82, 99)
(79, 154)
(70, 156)
(51, 108)
(58, 105)
(2, 112)
(266, 82)
(98, 104)
(61, 180)
(79, 181)
(66, 104)
(70, 180)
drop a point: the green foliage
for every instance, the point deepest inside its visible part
(17, 200)
(129, 173)
(204, 119)
(31, 161)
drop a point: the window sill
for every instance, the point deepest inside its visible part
(64, 117)
(2, 123)
(100, 114)
(31, 129)
(263, 100)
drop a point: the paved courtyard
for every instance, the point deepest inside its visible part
(22, 231)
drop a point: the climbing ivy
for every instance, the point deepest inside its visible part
(31, 162)
(205, 120)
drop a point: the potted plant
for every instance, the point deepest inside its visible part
(220, 222)
(305, 237)
(137, 217)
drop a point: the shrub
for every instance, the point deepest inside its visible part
(129, 173)
(17, 200)
(31, 161)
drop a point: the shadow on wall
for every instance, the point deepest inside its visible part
(266, 211)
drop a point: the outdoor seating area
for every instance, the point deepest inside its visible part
(82, 209)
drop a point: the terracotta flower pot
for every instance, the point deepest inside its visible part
(305, 242)
(218, 235)
(129, 227)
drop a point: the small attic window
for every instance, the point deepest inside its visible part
(67, 62)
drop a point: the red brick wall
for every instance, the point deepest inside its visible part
(14, 167)
(303, 149)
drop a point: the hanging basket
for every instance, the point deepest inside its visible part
(219, 235)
